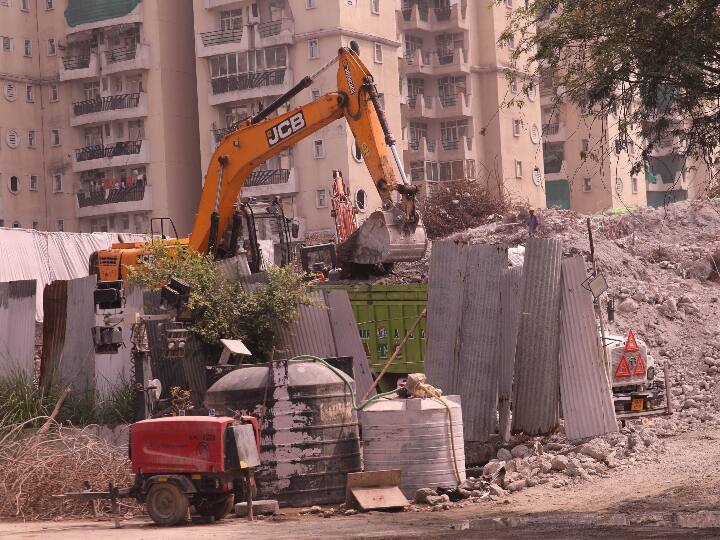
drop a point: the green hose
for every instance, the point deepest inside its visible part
(342, 376)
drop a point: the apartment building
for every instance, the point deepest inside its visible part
(36, 186)
(251, 51)
(456, 89)
(101, 123)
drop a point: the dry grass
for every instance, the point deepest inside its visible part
(34, 467)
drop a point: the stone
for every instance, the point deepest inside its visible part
(521, 466)
(351, 512)
(690, 404)
(496, 490)
(573, 468)
(597, 449)
(687, 389)
(464, 493)
(315, 509)
(261, 508)
(669, 308)
(492, 467)
(438, 500)
(504, 455)
(553, 447)
(520, 451)
(532, 482)
(628, 306)
(559, 463)
(517, 485)
(422, 494)
(545, 465)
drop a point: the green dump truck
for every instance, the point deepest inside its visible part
(383, 314)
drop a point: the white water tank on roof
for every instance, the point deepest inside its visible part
(423, 437)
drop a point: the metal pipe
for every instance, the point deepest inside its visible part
(399, 164)
(287, 96)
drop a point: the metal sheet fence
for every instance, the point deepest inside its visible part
(510, 299)
(536, 391)
(17, 327)
(584, 388)
(463, 329)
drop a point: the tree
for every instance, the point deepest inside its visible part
(653, 64)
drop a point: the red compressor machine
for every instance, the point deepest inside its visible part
(182, 461)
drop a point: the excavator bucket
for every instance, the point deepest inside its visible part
(384, 238)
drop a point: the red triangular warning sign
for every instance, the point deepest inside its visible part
(630, 343)
(639, 366)
(623, 368)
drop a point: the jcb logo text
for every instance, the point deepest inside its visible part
(285, 128)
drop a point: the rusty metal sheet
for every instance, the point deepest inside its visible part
(77, 363)
(310, 333)
(536, 391)
(17, 327)
(55, 308)
(584, 388)
(447, 264)
(477, 377)
(347, 338)
(510, 300)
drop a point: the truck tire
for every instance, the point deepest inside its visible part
(166, 504)
(216, 508)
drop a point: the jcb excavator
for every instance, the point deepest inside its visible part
(391, 234)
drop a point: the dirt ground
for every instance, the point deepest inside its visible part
(676, 495)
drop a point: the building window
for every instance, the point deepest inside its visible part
(321, 198)
(119, 130)
(313, 49)
(518, 169)
(55, 137)
(310, 4)
(378, 53)
(634, 183)
(5, 3)
(25, 5)
(356, 153)
(2, 222)
(125, 222)
(117, 85)
(585, 146)
(7, 44)
(49, 4)
(57, 183)
(516, 127)
(319, 149)
(231, 19)
(33, 182)
(375, 6)
(36, 225)
(60, 225)
(52, 49)
(587, 184)
(54, 92)
(14, 184)
(31, 138)
(10, 91)
(29, 93)
(361, 199)
(16, 224)
(508, 4)
(28, 47)
(12, 138)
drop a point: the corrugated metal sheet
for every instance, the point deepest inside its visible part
(49, 256)
(463, 332)
(310, 333)
(17, 326)
(447, 264)
(536, 390)
(510, 301)
(68, 351)
(586, 396)
(347, 338)
(477, 377)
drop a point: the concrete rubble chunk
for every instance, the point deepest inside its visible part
(597, 449)
(492, 467)
(573, 467)
(520, 451)
(559, 463)
(496, 490)
(504, 454)
(438, 500)
(517, 485)
(260, 508)
(422, 494)
(628, 305)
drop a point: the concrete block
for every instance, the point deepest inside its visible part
(260, 508)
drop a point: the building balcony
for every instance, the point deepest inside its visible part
(221, 42)
(422, 149)
(420, 16)
(84, 15)
(435, 62)
(554, 132)
(108, 108)
(119, 154)
(249, 86)
(114, 201)
(419, 106)
(212, 4)
(83, 66)
(269, 183)
(125, 59)
(438, 107)
(454, 149)
(273, 33)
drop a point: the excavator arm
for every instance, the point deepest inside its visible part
(261, 138)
